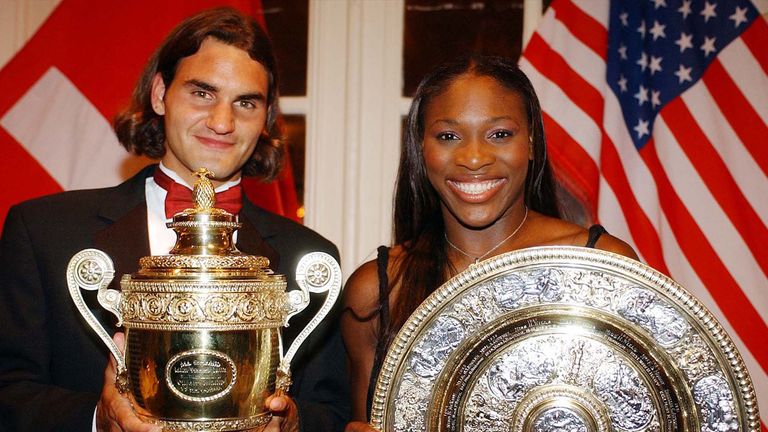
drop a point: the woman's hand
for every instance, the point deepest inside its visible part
(285, 414)
(114, 412)
(358, 426)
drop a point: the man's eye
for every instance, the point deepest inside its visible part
(201, 94)
(447, 136)
(246, 104)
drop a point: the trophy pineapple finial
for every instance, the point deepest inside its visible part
(203, 192)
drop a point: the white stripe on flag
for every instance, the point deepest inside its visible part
(579, 57)
(762, 6)
(745, 71)
(66, 134)
(595, 9)
(567, 114)
(749, 177)
(716, 226)
(638, 175)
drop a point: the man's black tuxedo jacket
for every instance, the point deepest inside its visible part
(52, 364)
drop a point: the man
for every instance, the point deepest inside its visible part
(207, 98)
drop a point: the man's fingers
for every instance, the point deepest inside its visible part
(119, 339)
(277, 403)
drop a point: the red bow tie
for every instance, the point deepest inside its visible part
(179, 197)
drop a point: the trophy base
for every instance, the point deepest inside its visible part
(254, 424)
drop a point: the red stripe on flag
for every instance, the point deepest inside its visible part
(741, 314)
(590, 32)
(572, 164)
(746, 122)
(643, 231)
(553, 66)
(30, 179)
(755, 38)
(715, 174)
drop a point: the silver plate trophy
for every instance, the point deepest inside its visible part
(563, 339)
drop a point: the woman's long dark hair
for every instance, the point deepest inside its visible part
(418, 223)
(142, 131)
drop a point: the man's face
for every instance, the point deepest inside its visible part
(215, 110)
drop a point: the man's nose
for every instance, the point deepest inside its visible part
(221, 119)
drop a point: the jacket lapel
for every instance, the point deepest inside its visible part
(250, 240)
(125, 238)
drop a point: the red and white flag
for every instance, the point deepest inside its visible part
(656, 115)
(60, 91)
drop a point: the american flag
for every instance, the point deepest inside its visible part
(656, 115)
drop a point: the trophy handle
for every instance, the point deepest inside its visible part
(92, 269)
(317, 272)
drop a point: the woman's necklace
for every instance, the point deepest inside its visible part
(479, 258)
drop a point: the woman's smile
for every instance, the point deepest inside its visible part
(478, 190)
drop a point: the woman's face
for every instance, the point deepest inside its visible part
(476, 150)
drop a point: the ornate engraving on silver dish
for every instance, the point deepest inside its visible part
(561, 338)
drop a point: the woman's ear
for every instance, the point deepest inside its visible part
(157, 94)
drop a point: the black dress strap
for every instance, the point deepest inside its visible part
(595, 232)
(382, 261)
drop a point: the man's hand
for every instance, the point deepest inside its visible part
(358, 426)
(285, 414)
(114, 412)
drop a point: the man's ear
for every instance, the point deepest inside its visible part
(158, 93)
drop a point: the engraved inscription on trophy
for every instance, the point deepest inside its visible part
(201, 375)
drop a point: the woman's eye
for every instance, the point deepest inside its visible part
(447, 136)
(500, 134)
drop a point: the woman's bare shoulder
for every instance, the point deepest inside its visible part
(361, 291)
(616, 245)
(553, 231)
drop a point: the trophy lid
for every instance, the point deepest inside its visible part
(204, 246)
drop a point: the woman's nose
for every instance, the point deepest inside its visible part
(474, 154)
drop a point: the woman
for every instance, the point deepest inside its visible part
(473, 182)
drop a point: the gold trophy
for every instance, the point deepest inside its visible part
(202, 324)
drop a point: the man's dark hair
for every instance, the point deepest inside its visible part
(141, 131)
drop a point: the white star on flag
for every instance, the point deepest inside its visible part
(684, 42)
(739, 16)
(709, 11)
